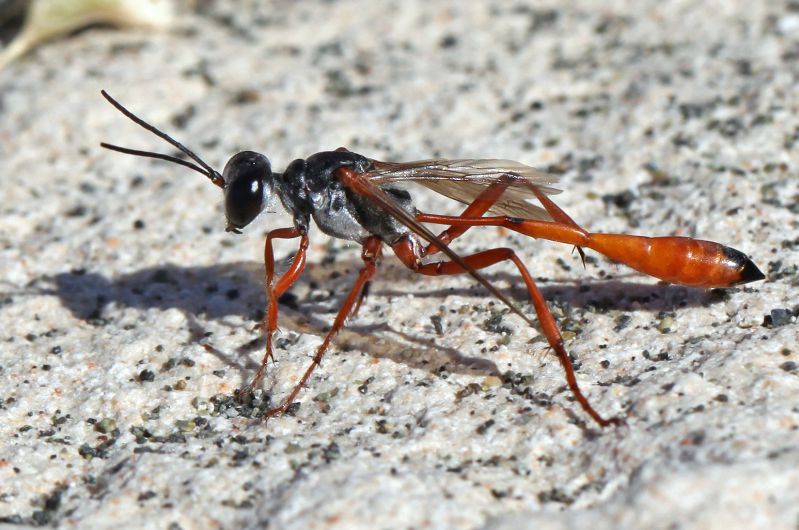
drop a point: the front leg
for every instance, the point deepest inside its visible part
(274, 291)
(370, 255)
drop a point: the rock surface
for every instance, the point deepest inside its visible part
(434, 409)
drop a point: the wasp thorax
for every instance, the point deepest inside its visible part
(248, 186)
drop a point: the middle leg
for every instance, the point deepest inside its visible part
(477, 208)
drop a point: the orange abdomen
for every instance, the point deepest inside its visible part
(680, 260)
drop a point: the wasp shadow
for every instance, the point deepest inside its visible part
(214, 292)
(217, 292)
(235, 289)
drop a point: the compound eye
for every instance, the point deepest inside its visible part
(248, 178)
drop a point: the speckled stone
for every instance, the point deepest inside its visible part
(662, 118)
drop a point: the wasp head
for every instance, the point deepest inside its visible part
(249, 186)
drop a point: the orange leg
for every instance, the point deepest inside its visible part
(680, 260)
(558, 215)
(361, 298)
(481, 204)
(370, 255)
(405, 252)
(273, 292)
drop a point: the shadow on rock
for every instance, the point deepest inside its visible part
(236, 289)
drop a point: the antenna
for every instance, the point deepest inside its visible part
(203, 168)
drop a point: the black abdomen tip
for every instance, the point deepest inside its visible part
(750, 272)
(747, 270)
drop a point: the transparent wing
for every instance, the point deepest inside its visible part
(365, 187)
(464, 179)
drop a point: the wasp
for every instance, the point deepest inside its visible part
(352, 197)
